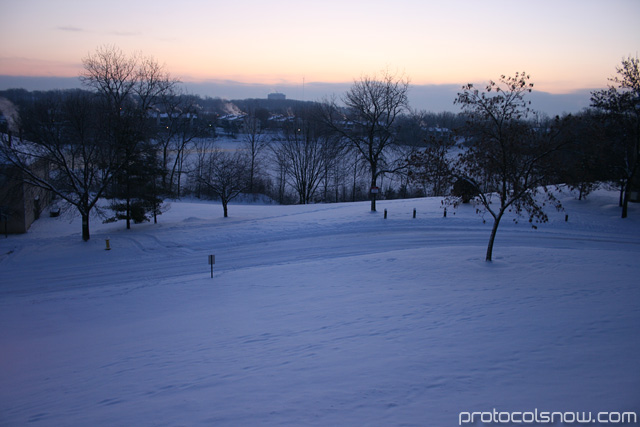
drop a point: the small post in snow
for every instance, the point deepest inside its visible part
(445, 213)
(108, 248)
(212, 261)
(385, 214)
(414, 212)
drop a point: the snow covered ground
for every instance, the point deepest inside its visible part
(319, 315)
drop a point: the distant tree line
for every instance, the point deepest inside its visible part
(133, 137)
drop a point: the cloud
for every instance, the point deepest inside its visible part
(71, 28)
(558, 104)
(74, 29)
(38, 83)
(125, 33)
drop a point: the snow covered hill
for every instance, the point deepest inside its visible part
(319, 315)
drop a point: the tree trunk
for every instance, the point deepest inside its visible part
(251, 173)
(128, 213)
(85, 227)
(355, 176)
(492, 238)
(625, 201)
(224, 208)
(165, 161)
(179, 175)
(627, 189)
(373, 195)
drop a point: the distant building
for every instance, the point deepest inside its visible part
(277, 96)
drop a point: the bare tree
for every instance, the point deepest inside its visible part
(588, 158)
(333, 169)
(431, 167)
(178, 127)
(373, 105)
(303, 153)
(281, 163)
(225, 176)
(63, 132)
(129, 87)
(621, 103)
(506, 157)
(202, 148)
(254, 143)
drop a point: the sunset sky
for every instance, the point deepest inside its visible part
(565, 45)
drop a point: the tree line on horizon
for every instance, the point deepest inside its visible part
(133, 135)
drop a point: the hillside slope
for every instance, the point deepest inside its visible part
(319, 315)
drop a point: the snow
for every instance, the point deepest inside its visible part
(319, 315)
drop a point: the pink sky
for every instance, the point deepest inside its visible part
(565, 45)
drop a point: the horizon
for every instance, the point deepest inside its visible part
(226, 50)
(433, 98)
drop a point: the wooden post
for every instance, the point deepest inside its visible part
(414, 212)
(212, 260)
(385, 214)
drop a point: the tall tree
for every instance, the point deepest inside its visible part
(129, 87)
(202, 150)
(587, 158)
(621, 104)
(304, 154)
(373, 106)
(254, 143)
(506, 156)
(179, 125)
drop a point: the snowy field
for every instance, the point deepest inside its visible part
(324, 315)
